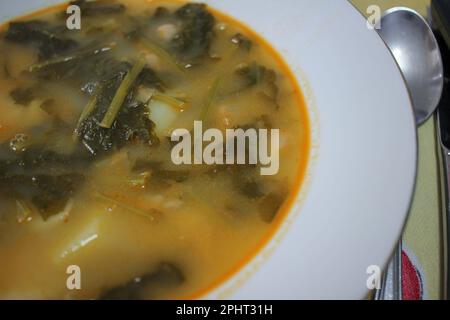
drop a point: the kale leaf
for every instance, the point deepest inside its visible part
(49, 194)
(253, 74)
(132, 123)
(91, 8)
(166, 275)
(81, 68)
(22, 96)
(248, 76)
(242, 42)
(40, 34)
(41, 176)
(131, 126)
(193, 41)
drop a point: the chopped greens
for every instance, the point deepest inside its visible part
(121, 93)
(93, 8)
(270, 204)
(193, 41)
(148, 78)
(131, 126)
(132, 209)
(89, 129)
(212, 95)
(40, 34)
(88, 109)
(48, 193)
(165, 275)
(76, 55)
(254, 76)
(242, 42)
(22, 96)
(118, 118)
(174, 102)
(34, 168)
(250, 75)
(162, 54)
(24, 211)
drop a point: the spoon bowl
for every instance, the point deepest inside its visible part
(414, 47)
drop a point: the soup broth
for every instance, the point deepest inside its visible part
(86, 175)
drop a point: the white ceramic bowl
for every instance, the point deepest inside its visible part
(352, 208)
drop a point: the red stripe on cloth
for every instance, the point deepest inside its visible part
(412, 285)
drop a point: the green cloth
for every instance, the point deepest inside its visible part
(422, 233)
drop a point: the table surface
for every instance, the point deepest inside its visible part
(418, 5)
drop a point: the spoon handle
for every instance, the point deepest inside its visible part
(391, 285)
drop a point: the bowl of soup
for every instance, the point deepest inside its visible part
(181, 150)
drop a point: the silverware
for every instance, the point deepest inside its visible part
(391, 287)
(415, 49)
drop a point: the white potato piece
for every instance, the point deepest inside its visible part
(163, 115)
(167, 31)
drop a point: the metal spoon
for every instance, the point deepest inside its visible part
(414, 47)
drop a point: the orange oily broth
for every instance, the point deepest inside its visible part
(189, 224)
